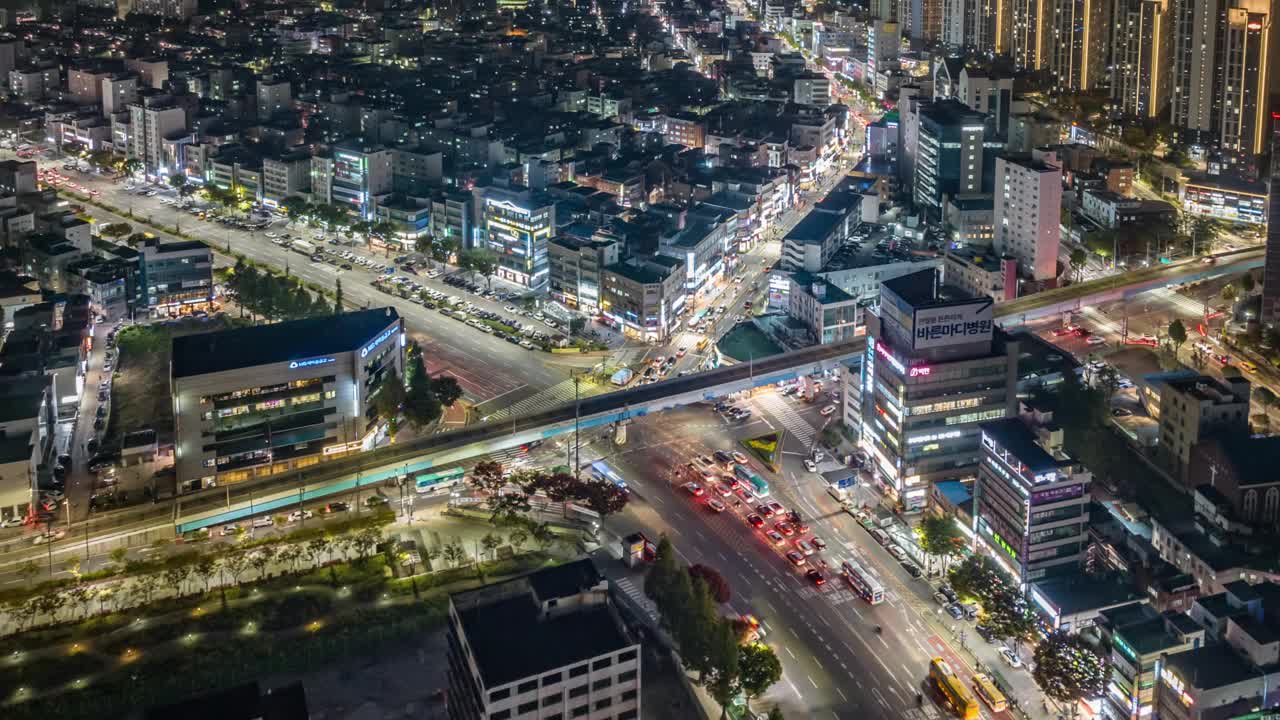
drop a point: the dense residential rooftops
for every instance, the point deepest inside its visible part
(281, 342)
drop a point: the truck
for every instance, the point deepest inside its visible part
(622, 377)
(303, 247)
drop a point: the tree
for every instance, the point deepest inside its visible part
(28, 570)
(1177, 334)
(972, 578)
(115, 230)
(261, 559)
(178, 181)
(1068, 669)
(337, 298)
(518, 537)
(421, 406)
(390, 397)
(776, 714)
(662, 573)
(1006, 613)
(454, 554)
(1228, 293)
(602, 496)
(1247, 283)
(941, 537)
(1078, 259)
(758, 669)
(487, 477)
(136, 239)
(176, 576)
(483, 262)
(118, 555)
(1264, 396)
(716, 583)
(206, 567)
(490, 543)
(1204, 231)
(446, 389)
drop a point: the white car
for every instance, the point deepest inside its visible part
(716, 505)
(297, 515)
(1010, 658)
(828, 410)
(263, 521)
(1095, 340)
(810, 465)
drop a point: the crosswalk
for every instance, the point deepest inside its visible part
(510, 458)
(637, 596)
(796, 426)
(558, 394)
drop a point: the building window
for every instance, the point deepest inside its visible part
(580, 711)
(578, 692)
(552, 699)
(578, 671)
(602, 684)
(502, 694)
(525, 687)
(526, 708)
(604, 703)
(501, 715)
(627, 676)
(602, 663)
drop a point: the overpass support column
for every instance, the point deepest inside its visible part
(620, 432)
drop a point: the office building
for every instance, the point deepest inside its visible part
(988, 92)
(361, 176)
(272, 399)
(1224, 197)
(812, 241)
(274, 96)
(644, 297)
(935, 368)
(812, 89)
(119, 91)
(544, 646)
(1222, 61)
(176, 277)
(284, 176)
(1190, 408)
(1032, 505)
(1027, 213)
(1142, 48)
(518, 225)
(1271, 269)
(883, 37)
(1135, 638)
(1079, 43)
(951, 154)
(980, 272)
(574, 270)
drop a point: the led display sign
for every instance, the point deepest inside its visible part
(888, 355)
(310, 362)
(374, 343)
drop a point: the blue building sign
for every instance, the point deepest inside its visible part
(374, 343)
(310, 362)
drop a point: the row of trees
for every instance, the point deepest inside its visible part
(118, 230)
(180, 575)
(419, 398)
(274, 297)
(1066, 667)
(710, 644)
(510, 496)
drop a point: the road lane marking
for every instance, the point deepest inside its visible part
(811, 682)
(793, 655)
(842, 695)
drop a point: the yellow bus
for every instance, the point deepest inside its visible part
(953, 690)
(989, 693)
(702, 344)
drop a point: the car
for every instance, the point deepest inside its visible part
(297, 515)
(704, 461)
(880, 536)
(1096, 340)
(722, 457)
(948, 593)
(755, 521)
(1010, 657)
(896, 551)
(818, 543)
(912, 569)
(724, 489)
(694, 489)
(1082, 332)
(764, 510)
(785, 528)
(774, 537)
(1061, 331)
(336, 507)
(1121, 412)
(954, 611)
(816, 577)
(716, 505)
(263, 521)
(777, 508)
(1247, 365)
(804, 546)
(940, 599)
(827, 411)
(739, 458)
(810, 465)
(229, 530)
(985, 633)
(797, 558)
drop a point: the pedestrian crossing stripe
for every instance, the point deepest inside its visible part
(790, 419)
(545, 399)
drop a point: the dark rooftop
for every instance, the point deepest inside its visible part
(1210, 667)
(281, 342)
(917, 288)
(565, 580)
(510, 640)
(1013, 435)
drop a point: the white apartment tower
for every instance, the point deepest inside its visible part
(1027, 213)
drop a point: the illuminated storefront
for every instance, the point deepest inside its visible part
(1229, 200)
(518, 228)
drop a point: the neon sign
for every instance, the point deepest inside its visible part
(920, 371)
(374, 343)
(313, 362)
(888, 355)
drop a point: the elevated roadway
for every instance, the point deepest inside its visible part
(1120, 287)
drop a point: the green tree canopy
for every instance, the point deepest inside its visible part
(1177, 334)
(1068, 669)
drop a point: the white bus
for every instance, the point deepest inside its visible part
(863, 582)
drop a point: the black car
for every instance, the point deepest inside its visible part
(985, 632)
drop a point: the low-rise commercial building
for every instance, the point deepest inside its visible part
(831, 314)
(644, 298)
(177, 277)
(980, 272)
(271, 399)
(1192, 407)
(575, 270)
(547, 645)
(1135, 639)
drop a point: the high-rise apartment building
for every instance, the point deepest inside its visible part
(1031, 505)
(1030, 32)
(882, 46)
(1141, 50)
(360, 175)
(981, 26)
(151, 122)
(1271, 270)
(1077, 47)
(935, 368)
(1222, 59)
(1027, 213)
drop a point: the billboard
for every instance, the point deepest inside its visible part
(953, 324)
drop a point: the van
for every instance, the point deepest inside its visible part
(264, 521)
(881, 536)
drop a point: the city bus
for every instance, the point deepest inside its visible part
(862, 582)
(990, 694)
(952, 689)
(747, 475)
(602, 472)
(430, 482)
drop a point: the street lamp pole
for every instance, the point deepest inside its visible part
(577, 416)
